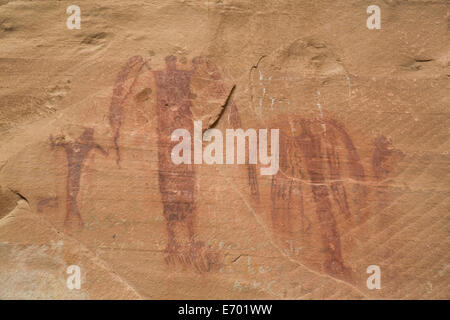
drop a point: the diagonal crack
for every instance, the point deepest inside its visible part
(255, 66)
(21, 196)
(222, 111)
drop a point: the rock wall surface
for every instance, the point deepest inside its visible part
(87, 178)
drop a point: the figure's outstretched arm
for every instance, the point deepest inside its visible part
(59, 142)
(100, 148)
(122, 88)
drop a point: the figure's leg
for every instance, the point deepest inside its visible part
(189, 212)
(171, 221)
(354, 166)
(304, 221)
(190, 253)
(334, 263)
(296, 169)
(180, 227)
(253, 181)
(75, 209)
(172, 245)
(197, 254)
(281, 191)
(311, 147)
(73, 186)
(337, 187)
(171, 240)
(340, 196)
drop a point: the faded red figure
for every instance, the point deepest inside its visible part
(173, 96)
(176, 182)
(76, 153)
(384, 158)
(316, 155)
(322, 186)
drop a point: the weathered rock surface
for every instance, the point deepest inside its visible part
(86, 177)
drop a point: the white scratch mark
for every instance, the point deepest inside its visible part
(319, 106)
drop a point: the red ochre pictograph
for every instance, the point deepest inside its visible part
(316, 156)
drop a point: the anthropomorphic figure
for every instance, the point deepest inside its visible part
(176, 182)
(172, 93)
(76, 152)
(317, 160)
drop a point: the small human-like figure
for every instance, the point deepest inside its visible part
(384, 158)
(76, 153)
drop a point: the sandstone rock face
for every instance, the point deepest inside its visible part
(87, 176)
